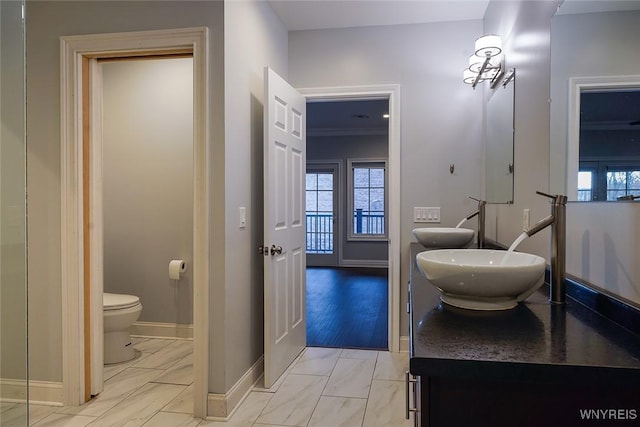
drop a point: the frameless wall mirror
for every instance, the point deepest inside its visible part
(595, 101)
(499, 142)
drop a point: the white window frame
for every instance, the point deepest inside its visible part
(373, 162)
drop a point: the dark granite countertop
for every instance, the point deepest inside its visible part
(534, 342)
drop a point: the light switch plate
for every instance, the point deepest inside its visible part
(426, 214)
(242, 217)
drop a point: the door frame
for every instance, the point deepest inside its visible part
(336, 167)
(390, 92)
(78, 216)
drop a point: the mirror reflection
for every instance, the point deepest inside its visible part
(595, 94)
(609, 149)
(499, 143)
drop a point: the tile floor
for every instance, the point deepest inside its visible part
(325, 387)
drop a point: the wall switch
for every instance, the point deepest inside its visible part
(242, 217)
(526, 221)
(421, 214)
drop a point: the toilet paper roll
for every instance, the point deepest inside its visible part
(176, 268)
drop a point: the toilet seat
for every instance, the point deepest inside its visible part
(118, 301)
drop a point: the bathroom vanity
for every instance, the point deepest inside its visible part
(537, 364)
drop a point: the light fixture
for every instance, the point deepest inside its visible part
(487, 63)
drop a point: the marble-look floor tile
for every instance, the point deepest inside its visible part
(150, 345)
(64, 420)
(247, 412)
(351, 378)
(139, 407)
(385, 406)
(13, 414)
(115, 368)
(391, 366)
(167, 356)
(260, 386)
(110, 371)
(317, 361)
(338, 412)
(179, 373)
(38, 412)
(348, 353)
(294, 402)
(115, 390)
(169, 419)
(183, 403)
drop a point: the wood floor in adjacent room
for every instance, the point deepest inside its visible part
(347, 307)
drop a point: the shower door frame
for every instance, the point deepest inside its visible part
(81, 202)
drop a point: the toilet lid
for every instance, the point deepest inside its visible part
(118, 301)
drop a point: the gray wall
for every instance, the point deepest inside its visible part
(47, 21)
(341, 148)
(254, 38)
(13, 304)
(441, 118)
(148, 183)
(525, 28)
(602, 238)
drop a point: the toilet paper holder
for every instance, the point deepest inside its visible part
(177, 267)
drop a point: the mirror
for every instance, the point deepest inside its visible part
(595, 74)
(499, 143)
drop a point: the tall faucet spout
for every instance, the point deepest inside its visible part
(472, 215)
(540, 225)
(557, 221)
(481, 215)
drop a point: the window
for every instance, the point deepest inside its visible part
(367, 200)
(585, 186)
(621, 183)
(319, 212)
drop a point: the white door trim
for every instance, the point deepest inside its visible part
(73, 50)
(392, 93)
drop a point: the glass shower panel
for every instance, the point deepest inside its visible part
(13, 287)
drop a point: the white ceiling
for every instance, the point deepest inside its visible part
(323, 14)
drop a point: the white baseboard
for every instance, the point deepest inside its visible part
(365, 263)
(222, 406)
(162, 330)
(404, 343)
(40, 392)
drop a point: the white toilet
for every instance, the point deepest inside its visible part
(120, 311)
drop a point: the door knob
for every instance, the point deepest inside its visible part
(276, 250)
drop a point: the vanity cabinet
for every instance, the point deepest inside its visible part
(537, 364)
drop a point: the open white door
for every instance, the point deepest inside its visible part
(285, 326)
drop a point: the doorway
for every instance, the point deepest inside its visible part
(347, 223)
(81, 199)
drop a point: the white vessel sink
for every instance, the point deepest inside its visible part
(481, 279)
(443, 237)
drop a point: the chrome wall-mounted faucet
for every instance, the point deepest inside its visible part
(481, 215)
(557, 221)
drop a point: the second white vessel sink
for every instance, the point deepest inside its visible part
(443, 237)
(482, 279)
